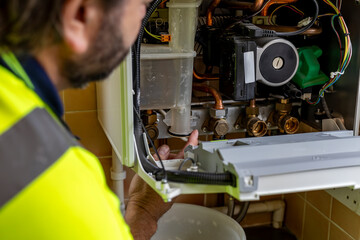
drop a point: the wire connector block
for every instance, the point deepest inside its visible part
(165, 38)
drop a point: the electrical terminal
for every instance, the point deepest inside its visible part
(165, 38)
(304, 22)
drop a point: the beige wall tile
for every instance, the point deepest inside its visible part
(302, 194)
(86, 126)
(197, 199)
(321, 200)
(346, 219)
(80, 99)
(316, 226)
(294, 213)
(271, 197)
(61, 94)
(106, 164)
(211, 200)
(338, 234)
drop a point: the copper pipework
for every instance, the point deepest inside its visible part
(264, 12)
(310, 32)
(252, 103)
(204, 76)
(218, 99)
(210, 11)
(255, 6)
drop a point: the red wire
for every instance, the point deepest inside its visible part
(294, 10)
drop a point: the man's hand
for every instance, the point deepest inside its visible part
(145, 206)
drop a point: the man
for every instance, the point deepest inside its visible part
(50, 187)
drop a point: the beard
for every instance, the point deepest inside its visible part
(105, 53)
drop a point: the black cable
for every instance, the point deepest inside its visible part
(287, 34)
(231, 207)
(326, 108)
(152, 144)
(243, 212)
(247, 17)
(256, 13)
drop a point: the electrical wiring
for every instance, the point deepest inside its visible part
(314, 18)
(151, 143)
(291, 7)
(158, 37)
(247, 17)
(345, 57)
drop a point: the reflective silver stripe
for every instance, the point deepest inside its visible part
(28, 149)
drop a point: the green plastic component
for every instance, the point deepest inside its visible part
(309, 73)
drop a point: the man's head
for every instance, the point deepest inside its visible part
(86, 38)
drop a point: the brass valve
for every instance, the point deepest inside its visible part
(254, 126)
(282, 118)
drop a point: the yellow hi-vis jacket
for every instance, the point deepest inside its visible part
(50, 187)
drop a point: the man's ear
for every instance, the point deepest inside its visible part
(80, 22)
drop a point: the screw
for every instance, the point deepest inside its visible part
(204, 129)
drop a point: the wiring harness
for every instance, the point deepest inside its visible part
(345, 56)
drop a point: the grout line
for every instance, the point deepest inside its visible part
(328, 233)
(303, 221)
(331, 206)
(342, 230)
(329, 219)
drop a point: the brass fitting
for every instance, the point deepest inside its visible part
(288, 124)
(153, 131)
(254, 126)
(150, 121)
(282, 118)
(220, 127)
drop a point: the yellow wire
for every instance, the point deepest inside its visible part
(272, 13)
(326, 14)
(297, 9)
(152, 35)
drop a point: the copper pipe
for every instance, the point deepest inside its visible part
(252, 103)
(204, 76)
(255, 6)
(264, 12)
(310, 32)
(203, 88)
(210, 11)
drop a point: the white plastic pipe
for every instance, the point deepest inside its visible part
(277, 207)
(118, 176)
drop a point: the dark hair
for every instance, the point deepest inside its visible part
(27, 25)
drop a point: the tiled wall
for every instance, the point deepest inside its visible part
(317, 216)
(310, 216)
(81, 116)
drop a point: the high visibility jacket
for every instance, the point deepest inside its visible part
(50, 187)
